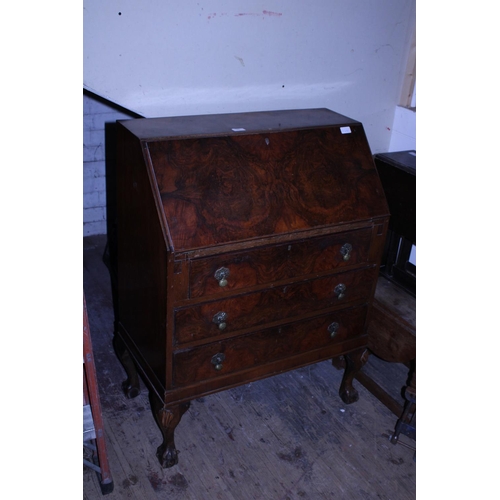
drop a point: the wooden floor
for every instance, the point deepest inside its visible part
(286, 437)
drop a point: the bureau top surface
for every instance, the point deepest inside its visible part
(233, 123)
(223, 179)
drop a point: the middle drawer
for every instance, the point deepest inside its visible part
(221, 317)
(235, 271)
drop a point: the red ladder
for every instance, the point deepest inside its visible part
(93, 429)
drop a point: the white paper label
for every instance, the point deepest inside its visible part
(238, 129)
(345, 130)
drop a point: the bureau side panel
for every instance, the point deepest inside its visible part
(141, 262)
(379, 235)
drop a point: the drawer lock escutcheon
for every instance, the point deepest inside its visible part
(221, 275)
(339, 290)
(346, 251)
(333, 328)
(220, 319)
(217, 360)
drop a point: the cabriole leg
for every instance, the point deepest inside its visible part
(354, 361)
(131, 386)
(167, 419)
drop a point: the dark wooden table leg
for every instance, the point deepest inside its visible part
(354, 361)
(131, 386)
(167, 419)
(404, 424)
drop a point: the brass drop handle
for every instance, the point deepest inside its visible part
(346, 250)
(220, 319)
(340, 290)
(221, 275)
(217, 360)
(333, 328)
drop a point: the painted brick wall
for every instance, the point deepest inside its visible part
(96, 114)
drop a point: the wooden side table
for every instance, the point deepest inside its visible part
(392, 328)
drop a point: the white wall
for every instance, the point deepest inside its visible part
(165, 57)
(404, 130)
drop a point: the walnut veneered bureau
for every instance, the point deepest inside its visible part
(247, 244)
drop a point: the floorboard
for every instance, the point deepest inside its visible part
(286, 437)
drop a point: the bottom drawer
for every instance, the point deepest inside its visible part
(264, 347)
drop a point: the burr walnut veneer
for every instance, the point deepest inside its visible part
(247, 244)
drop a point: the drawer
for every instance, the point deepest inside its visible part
(266, 346)
(212, 275)
(246, 311)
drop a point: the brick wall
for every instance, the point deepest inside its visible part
(97, 116)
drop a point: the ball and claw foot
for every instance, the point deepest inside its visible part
(131, 391)
(349, 396)
(168, 457)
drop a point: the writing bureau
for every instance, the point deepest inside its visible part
(248, 244)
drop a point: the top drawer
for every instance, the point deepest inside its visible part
(212, 275)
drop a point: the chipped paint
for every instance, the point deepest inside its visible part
(264, 13)
(271, 14)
